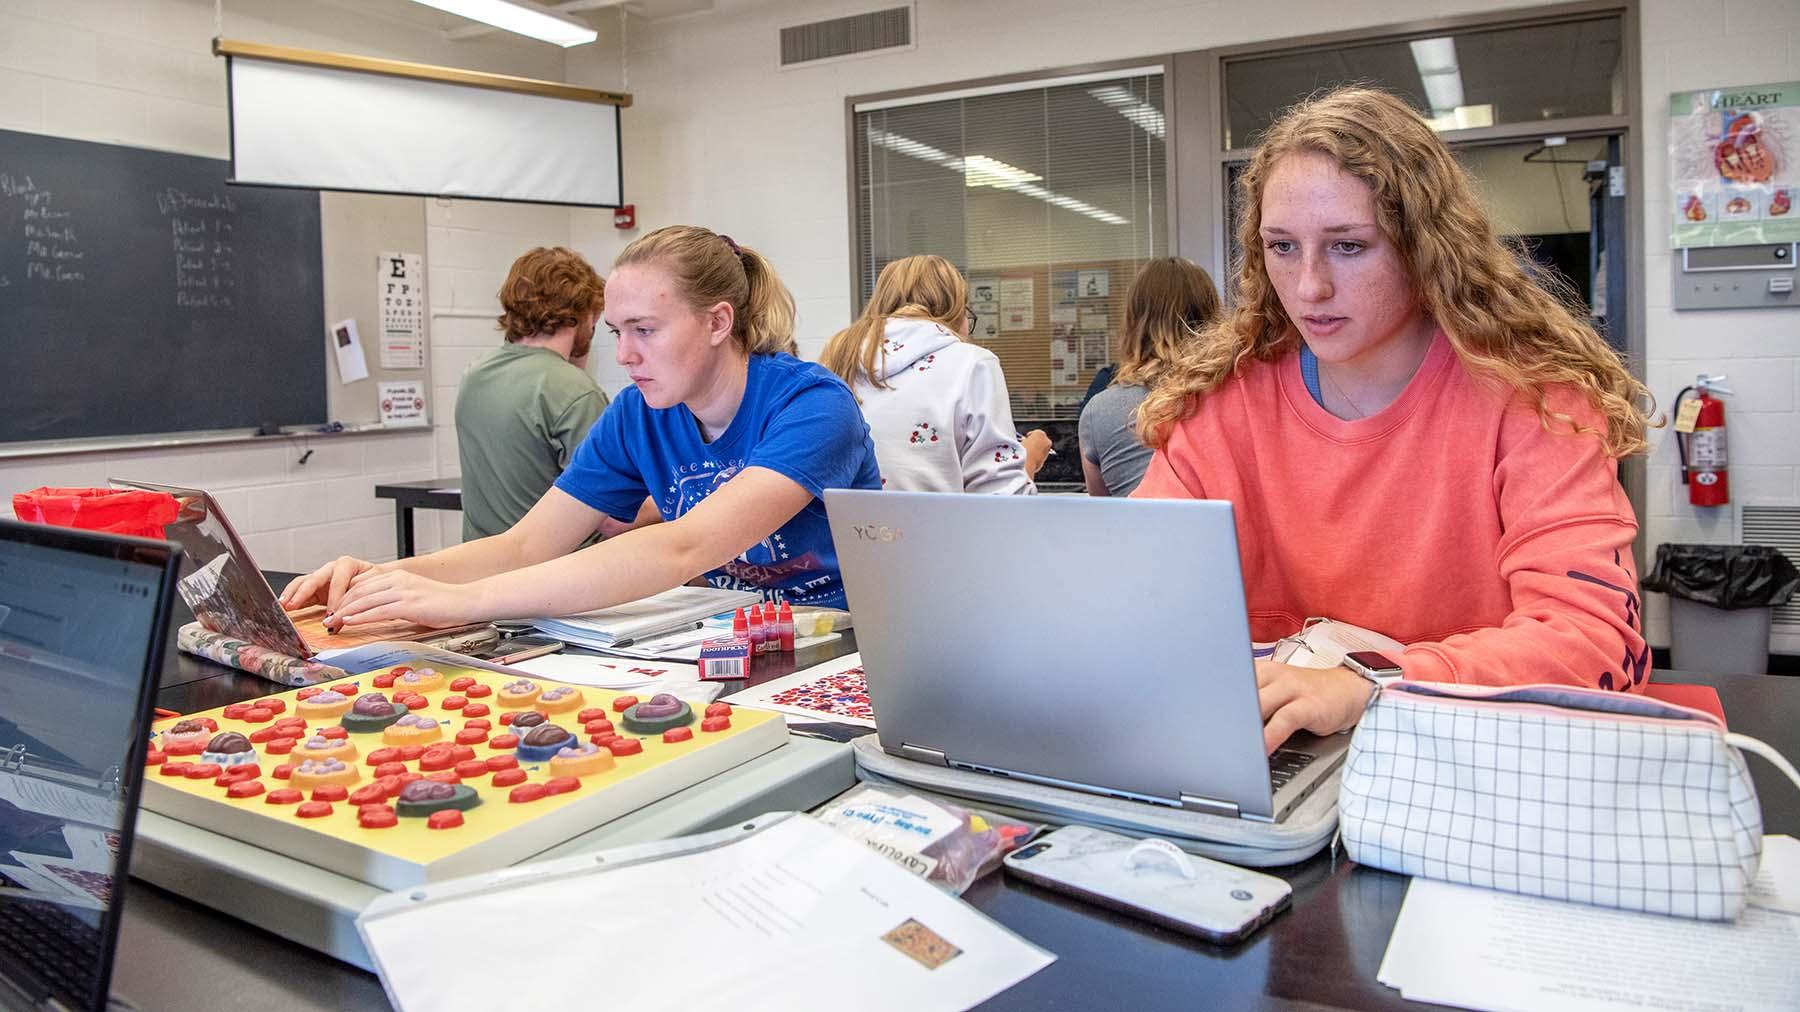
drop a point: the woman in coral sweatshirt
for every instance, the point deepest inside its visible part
(1418, 437)
(936, 405)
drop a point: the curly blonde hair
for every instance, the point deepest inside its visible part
(1517, 329)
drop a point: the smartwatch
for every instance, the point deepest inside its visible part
(1376, 667)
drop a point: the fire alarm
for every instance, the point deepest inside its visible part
(625, 216)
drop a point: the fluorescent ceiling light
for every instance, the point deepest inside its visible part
(1135, 109)
(1439, 73)
(980, 170)
(521, 16)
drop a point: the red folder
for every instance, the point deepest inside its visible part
(1695, 697)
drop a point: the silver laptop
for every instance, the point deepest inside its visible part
(1092, 643)
(224, 589)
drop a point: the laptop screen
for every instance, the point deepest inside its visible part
(82, 624)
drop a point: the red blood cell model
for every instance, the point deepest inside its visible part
(283, 796)
(507, 778)
(624, 746)
(454, 702)
(500, 762)
(715, 723)
(258, 715)
(475, 710)
(334, 733)
(561, 785)
(376, 816)
(367, 794)
(591, 713)
(154, 757)
(203, 771)
(279, 746)
(236, 711)
(470, 768)
(313, 809)
(675, 734)
(471, 736)
(624, 703)
(392, 769)
(175, 769)
(271, 704)
(525, 792)
(448, 818)
(283, 771)
(245, 789)
(460, 683)
(504, 741)
(718, 710)
(330, 792)
(437, 757)
(479, 691)
(385, 681)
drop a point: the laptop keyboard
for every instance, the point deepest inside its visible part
(61, 951)
(1284, 763)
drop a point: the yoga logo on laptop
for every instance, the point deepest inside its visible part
(876, 532)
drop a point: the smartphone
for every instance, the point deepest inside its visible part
(1195, 895)
(517, 648)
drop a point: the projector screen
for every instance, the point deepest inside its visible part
(334, 129)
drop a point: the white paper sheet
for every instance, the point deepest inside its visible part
(822, 692)
(46, 798)
(793, 916)
(345, 341)
(1482, 949)
(1777, 885)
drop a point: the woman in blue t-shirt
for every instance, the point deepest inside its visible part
(731, 436)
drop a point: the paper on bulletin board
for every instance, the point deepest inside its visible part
(1063, 367)
(1093, 320)
(402, 402)
(1062, 314)
(348, 345)
(1064, 287)
(1017, 310)
(1094, 284)
(1734, 165)
(400, 286)
(1093, 351)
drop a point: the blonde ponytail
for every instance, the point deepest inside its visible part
(710, 268)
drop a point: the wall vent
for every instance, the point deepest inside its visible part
(854, 35)
(1778, 526)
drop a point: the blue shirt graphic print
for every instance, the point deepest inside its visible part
(797, 419)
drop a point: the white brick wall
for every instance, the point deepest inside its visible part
(1688, 45)
(141, 72)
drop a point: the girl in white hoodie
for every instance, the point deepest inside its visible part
(936, 405)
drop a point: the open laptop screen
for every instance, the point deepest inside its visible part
(82, 624)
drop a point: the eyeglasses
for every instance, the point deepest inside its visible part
(972, 319)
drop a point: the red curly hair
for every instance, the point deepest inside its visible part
(549, 288)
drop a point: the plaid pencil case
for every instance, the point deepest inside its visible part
(1568, 793)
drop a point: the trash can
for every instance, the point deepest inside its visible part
(1719, 601)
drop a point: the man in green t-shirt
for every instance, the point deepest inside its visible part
(523, 408)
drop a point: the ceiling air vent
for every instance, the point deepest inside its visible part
(855, 35)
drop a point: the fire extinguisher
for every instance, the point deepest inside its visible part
(1704, 457)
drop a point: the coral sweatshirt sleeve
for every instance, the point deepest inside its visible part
(1565, 554)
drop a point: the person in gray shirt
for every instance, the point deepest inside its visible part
(1171, 301)
(522, 409)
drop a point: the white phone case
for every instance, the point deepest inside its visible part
(1154, 880)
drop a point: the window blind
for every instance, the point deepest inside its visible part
(1048, 198)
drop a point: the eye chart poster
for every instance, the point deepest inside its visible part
(1734, 165)
(400, 284)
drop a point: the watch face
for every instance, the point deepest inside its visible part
(1372, 662)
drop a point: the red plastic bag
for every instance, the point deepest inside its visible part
(116, 511)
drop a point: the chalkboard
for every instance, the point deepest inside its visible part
(141, 294)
